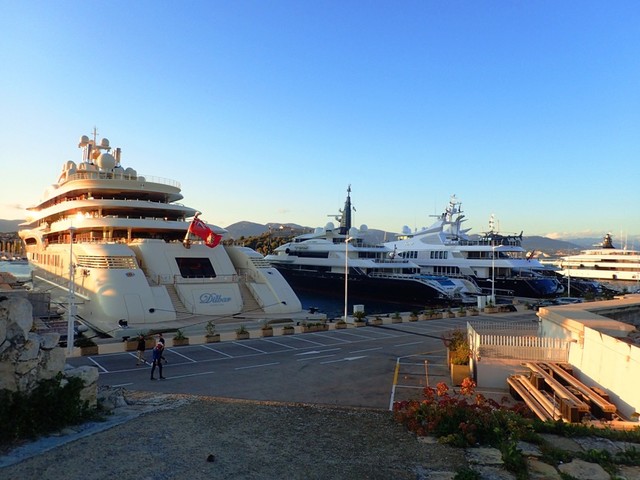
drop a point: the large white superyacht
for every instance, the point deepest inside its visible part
(317, 262)
(135, 258)
(496, 262)
(603, 263)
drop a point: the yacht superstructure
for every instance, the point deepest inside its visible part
(123, 239)
(496, 262)
(318, 261)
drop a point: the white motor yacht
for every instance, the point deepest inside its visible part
(130, 256)
(604, 263)
(317, 262)
(497, 263)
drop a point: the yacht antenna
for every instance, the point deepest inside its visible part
(95, 135)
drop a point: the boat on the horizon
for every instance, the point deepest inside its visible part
(137, 258)
(498, 263)
(317, 262)
(604, 263)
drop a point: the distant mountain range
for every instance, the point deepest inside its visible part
(238, 230)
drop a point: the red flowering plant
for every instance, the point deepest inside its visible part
(460, 418)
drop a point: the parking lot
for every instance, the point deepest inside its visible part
(369, 366)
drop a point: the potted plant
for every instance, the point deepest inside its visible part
(461, 312)
(458, 354)
(242, 333)
(179, 339)
(377, 320)
(267, 330)
(474, 312)
(211, 336)
(359, 319)
(490, 307)
(427, 314)
(413, 317)
(87, 345)
(341, 324)
(450, 314)
(396, 318)
(288, 330)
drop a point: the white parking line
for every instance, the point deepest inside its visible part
(249, 347)
(183, 356)
(309, 341)
(258, 366)
(98, 365)
(217, 351)
(278, 343)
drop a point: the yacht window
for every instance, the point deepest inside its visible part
(195, 267)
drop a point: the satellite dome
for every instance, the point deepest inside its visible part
(406, 230)
(363, 228)
(104, 143)
(329, 227)
(353, 231)
(106, 161)
(83, 141)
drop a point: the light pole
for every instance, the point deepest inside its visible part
(346, 273)
(70, 306)
(493, 273)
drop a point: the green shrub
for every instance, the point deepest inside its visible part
(55, 403)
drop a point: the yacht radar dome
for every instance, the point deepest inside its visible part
(106, 161)
(329, 227)
(364, 228)
(84, 140)
(104, 143)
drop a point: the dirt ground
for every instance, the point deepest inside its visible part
(200, 438)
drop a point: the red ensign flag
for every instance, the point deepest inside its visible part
(200, 229)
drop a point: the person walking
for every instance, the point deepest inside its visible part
(157, 360)
(140, 349)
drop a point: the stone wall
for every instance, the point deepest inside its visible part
(27, 357)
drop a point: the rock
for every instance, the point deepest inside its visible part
(580, 469)
(484, 456)
(538, 470)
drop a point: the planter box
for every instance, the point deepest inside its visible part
(340, 326)
(490, 310)
(85, 351)
(450, 315)
(242, 336)
(396, 320)
(131, 345)
(459, 373)
(179, 342)
(359, 324)
(413, 318)
(212, 338)
(288, 331)
(376, 321)
(461, 314)
(267, 332)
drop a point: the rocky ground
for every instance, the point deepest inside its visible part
(176, 437)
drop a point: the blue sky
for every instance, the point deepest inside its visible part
(267, 111)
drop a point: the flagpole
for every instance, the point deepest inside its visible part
(186, 242)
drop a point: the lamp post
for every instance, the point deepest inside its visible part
(493, 273)
(346, 273)
(70, 306)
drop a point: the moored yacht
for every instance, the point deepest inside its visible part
(603, 263)
(497, 263)
(129, 256)
(317, 262)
